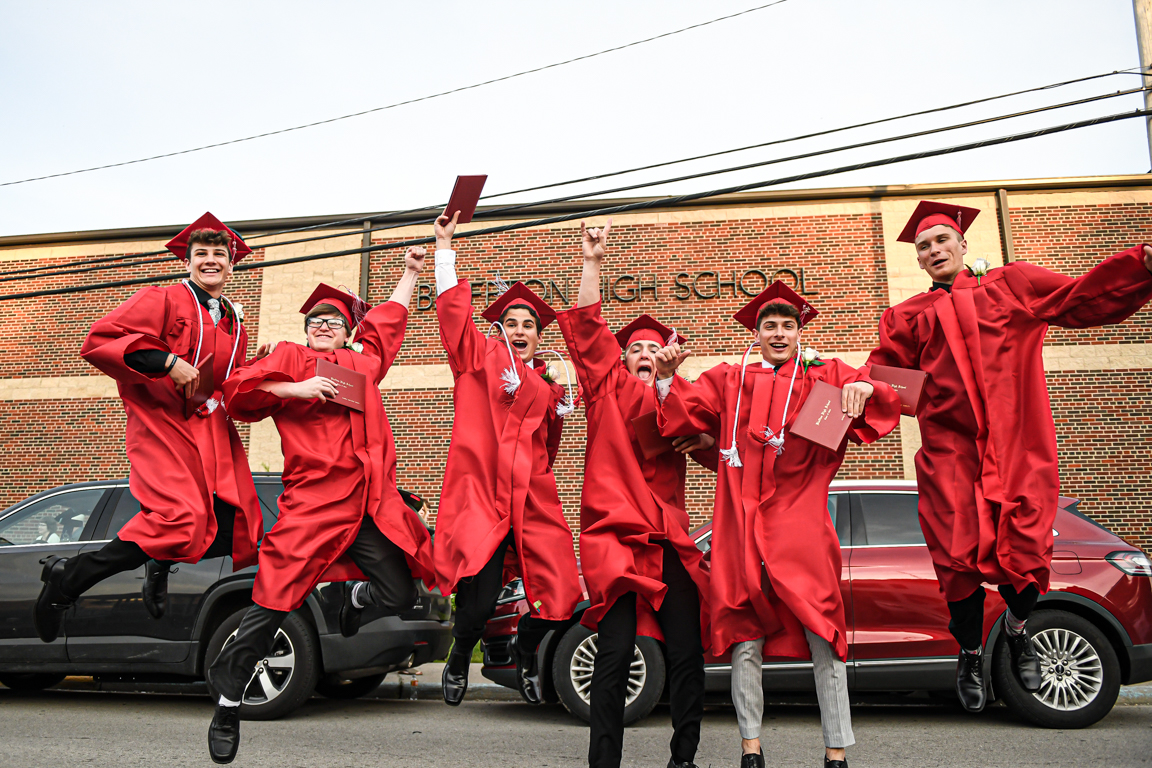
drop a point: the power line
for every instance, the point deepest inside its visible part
(486, 214)
(401, 103)
(626, 207)
(660, 182)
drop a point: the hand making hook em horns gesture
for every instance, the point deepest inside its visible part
(595, 241)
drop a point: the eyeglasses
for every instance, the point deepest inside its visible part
(335, 323)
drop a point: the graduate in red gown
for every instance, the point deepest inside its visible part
(341, 516)
(987, 470)
(499, 515)
(642, 569)
(775, 554)
(190, 475)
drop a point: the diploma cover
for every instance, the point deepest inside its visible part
(821, 419)
(652, 443)
(465, 196)
(907, 383)
(204, 387)
(351, 385)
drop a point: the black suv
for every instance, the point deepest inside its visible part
(110, 636)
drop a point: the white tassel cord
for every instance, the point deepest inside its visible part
(731, 454)
(212, 403)
(510, 376)
(567, 403)
(777, 440)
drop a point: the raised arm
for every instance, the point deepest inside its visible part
(382, 329)
(1110, 292)
(465, 344)
(683, 408)
(594, 245)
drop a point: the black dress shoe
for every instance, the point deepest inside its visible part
(527, 673)
(970, 681)
(1024, 659)
(687, 764)
(455, 678)
(156, 588)
(752, 761)
(52, 604)
(349, 614)
(224, 734)
(835, 763)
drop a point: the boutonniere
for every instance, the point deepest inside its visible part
(810, 357)
(978, 269)
(356, 347)
(239, 310)
(549, 374)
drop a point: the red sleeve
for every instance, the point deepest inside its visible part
(465, 345)
(382, 332)
(555, 429)
(594, 351)
(690, 409)
(709, 459)
(244, 401)
(881, 412)
(142, 322)
(899, 345)
(1110, 292)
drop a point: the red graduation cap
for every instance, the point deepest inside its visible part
(353, 307)
(777, 292)
(646, 328)
(522, 295)
(929, 214)
(179, 244)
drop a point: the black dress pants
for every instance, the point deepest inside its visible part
(476, 602)
(88, 569)
(967, 624)
(391, 585)
(679, 619)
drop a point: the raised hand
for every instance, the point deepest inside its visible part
(316, 388)
(414, 258)
(855, 397)
(668, 360)
(185, 376)
(594, 242)
(444, 228)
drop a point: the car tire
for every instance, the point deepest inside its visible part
(572, 674)
(1079, 667)
(30, 681)
(339, 688)
(286, 678)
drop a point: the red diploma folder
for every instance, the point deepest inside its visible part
(821, 420)
(203, 388)
(465, 195)
(909, 385)
(351, 385)
(652, 443)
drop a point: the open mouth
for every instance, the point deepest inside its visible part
(779, 347)
(940, 262)
(520, 345)
(644, 371)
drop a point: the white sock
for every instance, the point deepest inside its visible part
(1013, 625)
(225, 702)
(357, 590)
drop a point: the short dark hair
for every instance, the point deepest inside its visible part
(327, 309)
(778, 308)
(536, 317)
(209, 237)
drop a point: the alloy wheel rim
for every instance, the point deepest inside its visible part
(272, 674)
(584, 662)
(1070, 669)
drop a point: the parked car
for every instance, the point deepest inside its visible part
(1093, 630)
(110, 636)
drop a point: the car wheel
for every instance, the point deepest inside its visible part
(572, 674)
(284, 679)
(1080, 671)
(339, 688)
(30, 681)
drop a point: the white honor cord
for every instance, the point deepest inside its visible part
(510, 377)
(730, 454)
(568, 404)
(777, 440)
(200, 336)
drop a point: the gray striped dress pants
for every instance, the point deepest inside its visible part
(831, 690)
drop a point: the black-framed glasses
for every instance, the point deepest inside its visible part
(335, 323)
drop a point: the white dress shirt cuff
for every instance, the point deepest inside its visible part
(663, 387)
(445, 270)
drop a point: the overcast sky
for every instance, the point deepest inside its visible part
(86, 84)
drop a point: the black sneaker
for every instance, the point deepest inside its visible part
(52, 604)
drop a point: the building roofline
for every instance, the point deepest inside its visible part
(255, 227)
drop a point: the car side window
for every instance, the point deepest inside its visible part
(841, 517)
(56, 519)
(126, 508)
(889, 519)
(268, 494)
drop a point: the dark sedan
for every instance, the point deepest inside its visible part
(110, 636)
(1093, 630)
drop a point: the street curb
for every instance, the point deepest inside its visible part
(1134, 694)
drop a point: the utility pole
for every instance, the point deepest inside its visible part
(1143, 12)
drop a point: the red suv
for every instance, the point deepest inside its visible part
(1093, 630)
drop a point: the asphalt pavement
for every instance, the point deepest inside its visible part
(74, 727)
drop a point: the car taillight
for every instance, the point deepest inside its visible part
(1132, 563)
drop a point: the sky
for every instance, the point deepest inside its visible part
(85, 84)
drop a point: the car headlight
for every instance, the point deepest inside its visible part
(513, 591)
(1132, 563)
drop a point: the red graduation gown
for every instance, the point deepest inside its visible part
(628, 504)
(987, 471)
(775, 554)
(177, 463)
(339, 465)
(499, 470)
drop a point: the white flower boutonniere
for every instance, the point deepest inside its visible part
(356, 347)
(549, 374)
(979, 268)
(810, 357)
(239, 310)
